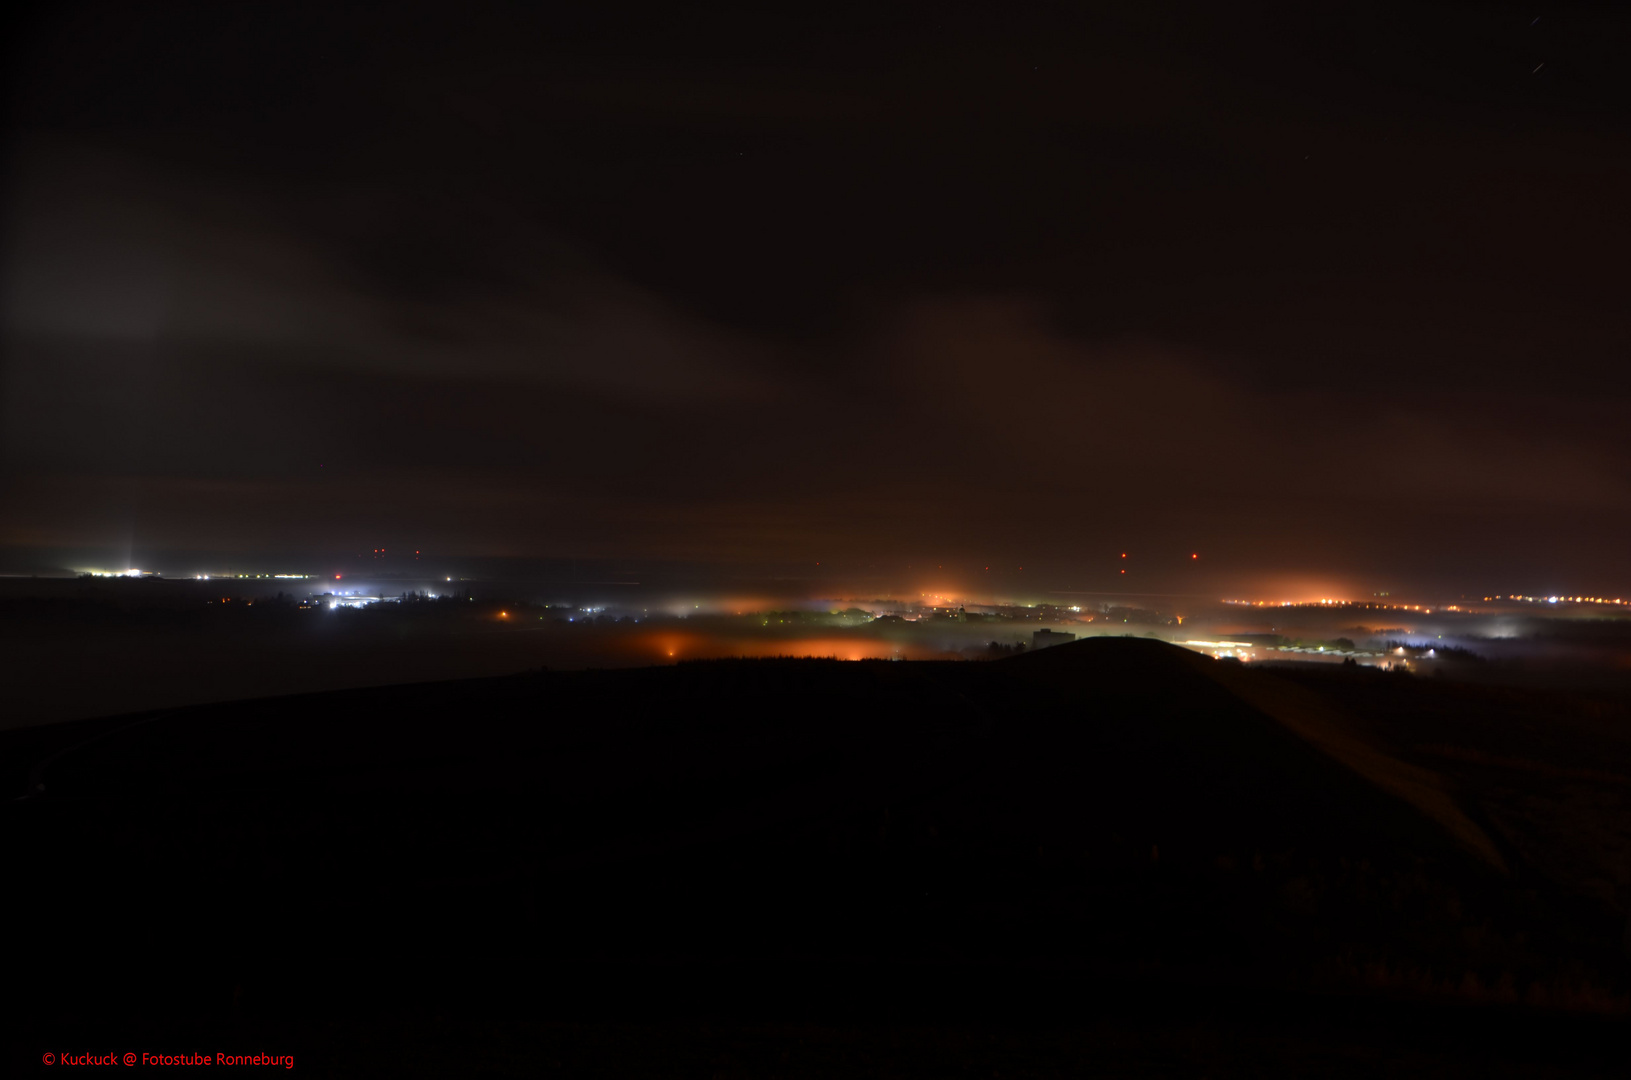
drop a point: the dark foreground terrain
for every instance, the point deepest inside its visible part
(1107, 856)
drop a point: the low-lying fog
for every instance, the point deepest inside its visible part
(91, 647)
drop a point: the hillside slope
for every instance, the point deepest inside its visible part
(1122, 815)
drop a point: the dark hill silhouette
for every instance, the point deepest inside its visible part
(1253, 745)
(1111, 819)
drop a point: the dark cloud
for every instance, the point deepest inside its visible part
(1338, 289)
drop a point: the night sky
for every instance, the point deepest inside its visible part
(1331, 289)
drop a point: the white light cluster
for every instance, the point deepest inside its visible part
(1562, 599)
